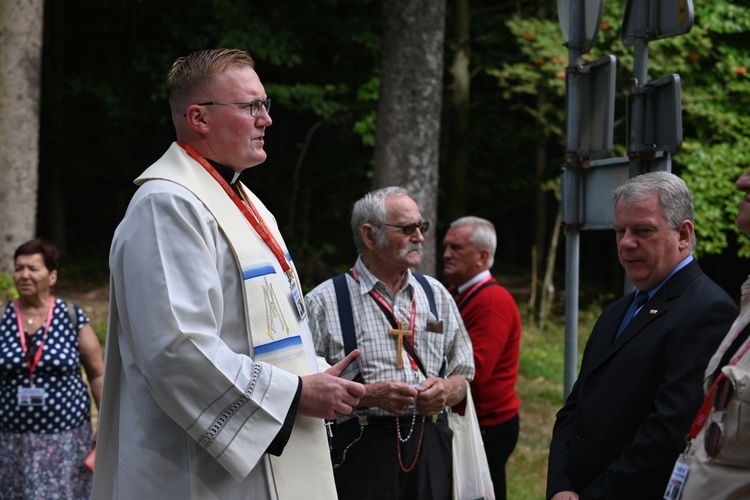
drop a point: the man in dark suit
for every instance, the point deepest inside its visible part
(625, 420)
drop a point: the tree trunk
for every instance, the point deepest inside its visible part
(411, 86)
(540, 215)
(457, 163)
(548, 286)
(531, 304)
(20, 63)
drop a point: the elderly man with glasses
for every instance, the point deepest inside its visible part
(416, 356)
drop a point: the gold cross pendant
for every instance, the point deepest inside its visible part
(400, 343)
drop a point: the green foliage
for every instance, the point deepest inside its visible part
(716, 96)
(541, 67)
(7, 288)
(324, 101)
(725, 17)
(543, 63)
(320, 63)
(711, 61)
(710, 172)
(544, 359)
(366, 126)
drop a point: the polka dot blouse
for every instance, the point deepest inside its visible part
(58, 373)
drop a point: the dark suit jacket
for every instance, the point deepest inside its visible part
(626, 418)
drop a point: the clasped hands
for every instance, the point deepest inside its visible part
(429, 398)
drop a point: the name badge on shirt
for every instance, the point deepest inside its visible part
(298, 300)
(677, 481)
(31, 396)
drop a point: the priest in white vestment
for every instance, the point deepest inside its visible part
(211, 387)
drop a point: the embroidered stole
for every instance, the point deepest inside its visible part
(277, 334)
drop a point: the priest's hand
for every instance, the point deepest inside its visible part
(326, 395)
(393, 396)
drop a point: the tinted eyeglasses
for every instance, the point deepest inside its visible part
(409, 229)
(253, 107)
(714, 437)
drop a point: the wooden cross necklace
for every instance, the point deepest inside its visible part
(401, 333)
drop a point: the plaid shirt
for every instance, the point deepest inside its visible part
(372, 326)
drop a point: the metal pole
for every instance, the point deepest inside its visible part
(571, 178)
(572, 250)
(636, 134)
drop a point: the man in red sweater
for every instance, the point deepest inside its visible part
(494, 324)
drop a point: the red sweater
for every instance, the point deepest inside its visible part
(494, 324)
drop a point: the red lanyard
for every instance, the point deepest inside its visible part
(387, 307)
(38, 356)
(251, 215)
(467, 293)
(702, 417)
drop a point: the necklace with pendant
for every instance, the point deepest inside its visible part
(30, 318)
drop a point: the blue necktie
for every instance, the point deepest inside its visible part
(640, 299)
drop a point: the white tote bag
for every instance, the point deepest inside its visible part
(471, 473)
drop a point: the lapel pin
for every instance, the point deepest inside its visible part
(653, 311)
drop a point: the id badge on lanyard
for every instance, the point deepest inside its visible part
(32, 396)
(678, 478)
(298, 300)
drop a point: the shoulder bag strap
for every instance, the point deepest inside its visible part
(72, 314)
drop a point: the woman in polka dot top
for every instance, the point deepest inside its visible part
(45, 423)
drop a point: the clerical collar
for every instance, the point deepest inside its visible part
(227, 173)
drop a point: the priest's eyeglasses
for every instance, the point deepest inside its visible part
(409, 229)
(254, 107)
